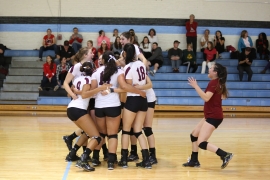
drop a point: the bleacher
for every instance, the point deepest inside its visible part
(171, 88)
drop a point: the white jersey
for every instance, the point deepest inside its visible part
(109, 100)
(137, 50)
(80, 102)
(75, 71)
(150, 95)
(135, 71)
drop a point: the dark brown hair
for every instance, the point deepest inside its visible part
(222, 78)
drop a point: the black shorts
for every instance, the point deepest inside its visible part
(91, 105)
(152, 104)
(154, 61)
(75, 113)
(136, 103)
(108, 111)
(214, 122)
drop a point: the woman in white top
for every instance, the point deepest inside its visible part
(152, 36)
(77, 112)
(146, 46)
(115, 34)
(205, 39)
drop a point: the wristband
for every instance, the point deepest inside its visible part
(111, 89)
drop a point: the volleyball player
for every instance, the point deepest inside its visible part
(77, 112)
(213, 115)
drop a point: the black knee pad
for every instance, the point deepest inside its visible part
(193, 138)
(203, 145)
(147, 131)
(125, 132)
(113, 136)
(131, 132)
(137, 134)
(98, 138)
(102, 135)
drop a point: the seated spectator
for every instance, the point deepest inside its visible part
(189, 59)
(102, 38)
(219, 42)
(262, 46)
(146, 47)
(48, 43)
(61, 72)
(246, 41)
(117, 47)
(205, 39)
(2, 52)
(132, 33)
(65, 51)
(152, 36)
(156, 59)
(175, 55)
(244, 63)
(103, 48)
(49, 74)
(93, 49)
(209, 54)
(115, 34)
(76, 40)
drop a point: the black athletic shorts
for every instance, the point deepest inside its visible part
(154, 61)
(108, 111)
(91, 105)
(152, 104)
(75, 113)
(214, 122)
(136, 103)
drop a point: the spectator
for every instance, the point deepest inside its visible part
(266, 67)
(49, 73)
(205, 39)
(244, 63)
(191, 27)
(262, 46)
(48, 43)
(94, 51)
(175, 55)
(117, 46)
(246, 41)
(132, 33)
(152, 36)
(102, 38)
(103, 48)
(189, 59)
(2, 52)
(219, 42)
(115, 34)
(65, 51)
(146, 47)
(156, 59)
(76, 40)
(61, 72)
(209, 54)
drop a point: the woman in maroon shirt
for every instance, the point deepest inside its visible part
(213, 115)
(191, 27)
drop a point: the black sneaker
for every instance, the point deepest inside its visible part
(95, 162)
(110, 166)
(146, 165)
(153, 160)
(68, 142)
(71, 157)
(123, 164)
(133, 157)
(226, 160)
(89, 159)
(78, 164)
(191, 163)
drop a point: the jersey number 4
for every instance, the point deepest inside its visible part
(79, 83)
(141, 73)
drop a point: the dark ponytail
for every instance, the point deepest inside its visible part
(222, 78)
(129, 49)
(110, 66)
(88, 71)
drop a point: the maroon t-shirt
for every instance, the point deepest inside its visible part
(213, 108)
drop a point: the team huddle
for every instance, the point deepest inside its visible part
(121, 88)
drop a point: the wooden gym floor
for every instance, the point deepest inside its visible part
(32, 148)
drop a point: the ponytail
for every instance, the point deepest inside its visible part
(110, 66)
(222, 78)
(129, 49)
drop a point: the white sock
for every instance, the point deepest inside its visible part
(155, 71)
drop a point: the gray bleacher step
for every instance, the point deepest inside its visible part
(25, 71)
(18, 102)
(27, 64)
(20, 87)
(17, 96)
(24, 79)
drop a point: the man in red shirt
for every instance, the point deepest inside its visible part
(76, 40)
(191, 27)
(48, 43)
